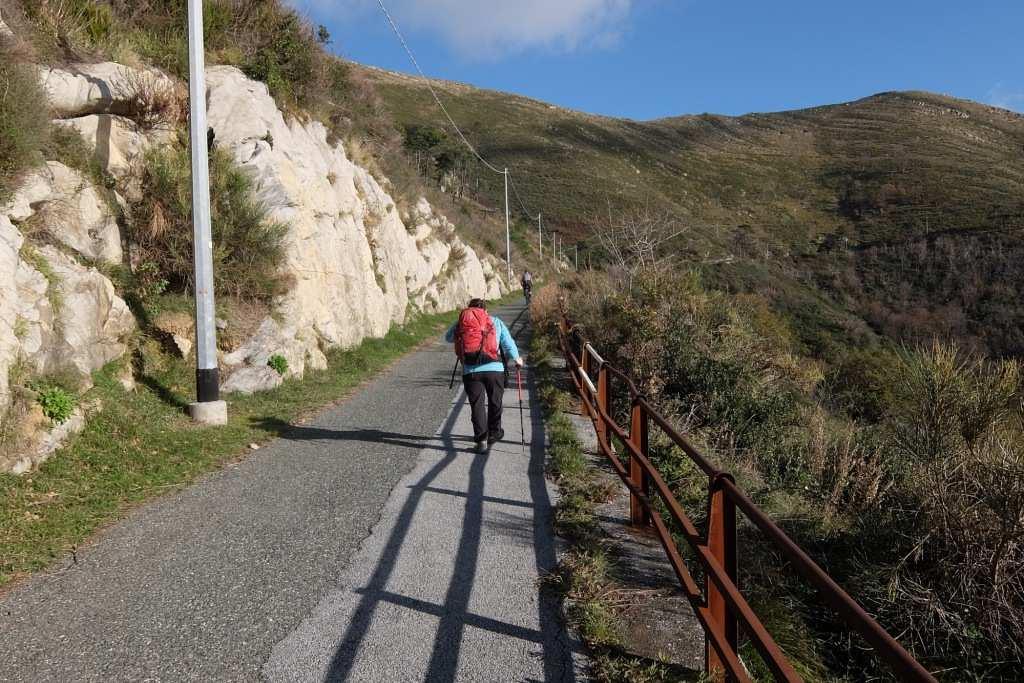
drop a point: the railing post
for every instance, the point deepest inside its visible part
(603, 400)
(722, 544)
(585, 365)
(638, 434)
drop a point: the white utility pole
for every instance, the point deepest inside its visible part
(554, 235)
(208, 408)
(508, 234)
(540, 237)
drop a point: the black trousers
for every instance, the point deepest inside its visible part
(485, 390)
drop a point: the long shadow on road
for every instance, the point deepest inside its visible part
(290, 432)
(453, 613)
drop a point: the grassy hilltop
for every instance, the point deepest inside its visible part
(899, 210)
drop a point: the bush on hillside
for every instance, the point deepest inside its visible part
(247, 245)
(71, 29)
(958, 431)
(904, 469)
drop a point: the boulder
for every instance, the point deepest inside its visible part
(272, 338)
(68, 207)
(117, 144)
(251, 378)
(91, 322)
(103, 88)
(48, 439)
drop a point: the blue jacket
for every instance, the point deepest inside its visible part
(505, 342)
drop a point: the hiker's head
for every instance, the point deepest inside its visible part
(478, 303)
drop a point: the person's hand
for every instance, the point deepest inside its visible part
(519, 362)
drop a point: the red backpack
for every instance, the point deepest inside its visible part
(476, 340)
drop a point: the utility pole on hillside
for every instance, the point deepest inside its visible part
(508, 234)
(540, 237)
(208, 408)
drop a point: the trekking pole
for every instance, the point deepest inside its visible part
(522, 420)
(452, 382)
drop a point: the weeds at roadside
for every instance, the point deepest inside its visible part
(586, 575)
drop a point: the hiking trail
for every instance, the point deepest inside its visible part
(265, 569)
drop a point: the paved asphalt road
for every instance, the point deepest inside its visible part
(205, 584)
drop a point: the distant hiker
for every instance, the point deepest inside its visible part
(527, 282)
(480, 339)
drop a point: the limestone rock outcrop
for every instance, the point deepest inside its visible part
(119, 111)
(60, 202)
(358, 267)
(56, 314)
(359, 263)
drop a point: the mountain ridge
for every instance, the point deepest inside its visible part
(804, 202)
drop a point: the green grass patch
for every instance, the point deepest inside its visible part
(143, 444)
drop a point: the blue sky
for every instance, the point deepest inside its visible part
(645, 59)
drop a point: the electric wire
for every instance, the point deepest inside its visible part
(515, 190)
(412, 57)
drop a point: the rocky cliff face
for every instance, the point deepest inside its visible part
(357, 262)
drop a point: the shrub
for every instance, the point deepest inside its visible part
(279, 363)
(57, 403)
(154, 102)
(286, 60)
(77, 26)
(24, 125)
(247, 245)
(957, 426)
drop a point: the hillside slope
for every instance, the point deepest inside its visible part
(899, 210)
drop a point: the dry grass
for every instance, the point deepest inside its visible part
(24, 123)
(153, 101)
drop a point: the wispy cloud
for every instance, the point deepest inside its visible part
(1007, 98)
(497, 28)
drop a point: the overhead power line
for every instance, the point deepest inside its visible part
(526, 211)
(412, 57)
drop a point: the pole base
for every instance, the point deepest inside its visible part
(209, 412)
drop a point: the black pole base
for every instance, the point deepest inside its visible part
(207, 385)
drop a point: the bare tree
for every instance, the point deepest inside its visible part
(635, 239)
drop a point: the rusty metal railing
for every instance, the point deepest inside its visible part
(720, 608)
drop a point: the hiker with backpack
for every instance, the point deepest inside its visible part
(480, 341)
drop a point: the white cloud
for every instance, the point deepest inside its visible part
(481, 29)
(1007, 98)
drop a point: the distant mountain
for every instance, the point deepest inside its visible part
(898, 214)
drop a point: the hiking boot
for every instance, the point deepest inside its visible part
(493, 438)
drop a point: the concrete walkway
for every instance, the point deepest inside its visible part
(264, 570)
